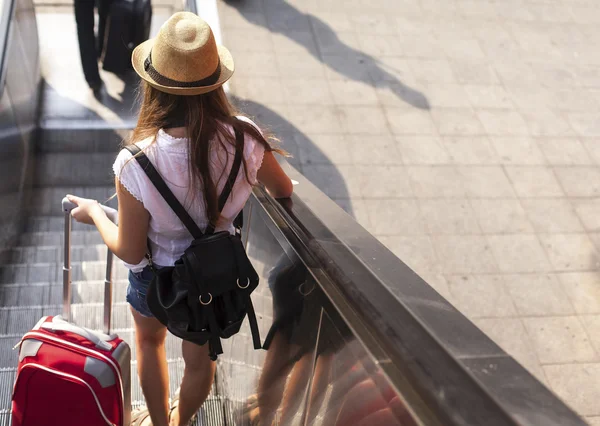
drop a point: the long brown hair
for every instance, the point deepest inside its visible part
(207, 118)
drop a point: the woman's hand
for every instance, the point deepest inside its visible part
(86, 209)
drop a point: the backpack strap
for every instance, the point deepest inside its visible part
(235, 169)
(170, 198)
(164, 190)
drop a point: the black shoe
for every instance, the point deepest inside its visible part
(97, 88)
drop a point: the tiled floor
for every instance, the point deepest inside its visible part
(466, 136)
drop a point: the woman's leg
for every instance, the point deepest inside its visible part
(197, 380)
(152, 366)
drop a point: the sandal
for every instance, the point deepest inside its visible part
(141, 418)
(175, 404)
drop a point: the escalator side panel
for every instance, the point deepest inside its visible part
(18, 109)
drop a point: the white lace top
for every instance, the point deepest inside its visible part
(168, 236)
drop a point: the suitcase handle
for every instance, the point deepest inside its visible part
(87, 334)
(112, 214)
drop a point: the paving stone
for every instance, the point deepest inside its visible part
(538, 295)
(340, 43)
(592, 325)
(396, 217)
(465, 254)
(323, 149)
(577, 385)
(370, 186)
(409, 121)
(518, 150)
(571, 252)
(518, 253)
(425, 47)
(579, 181)
(432, 70)
(547, 123)
(593, 147)
(446, 95)
(422, 150)
(480, 296)
(502, 122)
(502, 216)
(401, 95)
(252, 64)
(374, 150)
(463, 49)
(552, 215)
(264, 90)
(308, 67)
(238, 41)
(449, 217)
(346, 92)
(583, 289)
(588, 212)
(455, 122)
(474, 72)
(295, 42)
(474, 150)
(336, 182)
(482, 96)
(315, 119)
(436, 181)
(389, 69)
(568, 151)
(534, 181)
(314, 91)
(485, 182)
(363, 120)
(560, 340)
(585, 124)
(596, 240)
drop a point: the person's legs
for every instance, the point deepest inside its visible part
(152, 366)
(279, 361)
(84, 16)
(103, 10)
(198, 377)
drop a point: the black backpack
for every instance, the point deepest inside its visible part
(206, 295)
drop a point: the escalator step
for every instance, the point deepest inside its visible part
(54, 253)
(63, 168)
(51, 273)
(46, 201)
(55, 238)
(6, 376)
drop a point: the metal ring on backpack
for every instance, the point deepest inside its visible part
(247, 284)
(301, 288)
(209, 300)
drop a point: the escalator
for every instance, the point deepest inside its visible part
(354, 336)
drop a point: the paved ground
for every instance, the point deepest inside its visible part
(466, 136)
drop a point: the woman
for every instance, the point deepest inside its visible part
(186, 128)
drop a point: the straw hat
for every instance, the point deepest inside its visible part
(183, 59)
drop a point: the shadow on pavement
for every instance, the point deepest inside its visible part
(288, 134)
(366, 69)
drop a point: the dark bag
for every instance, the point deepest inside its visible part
(128, 25)
(206, 295)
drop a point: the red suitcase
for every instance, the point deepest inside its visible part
(70, 375)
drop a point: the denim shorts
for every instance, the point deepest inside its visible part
(137, 290)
